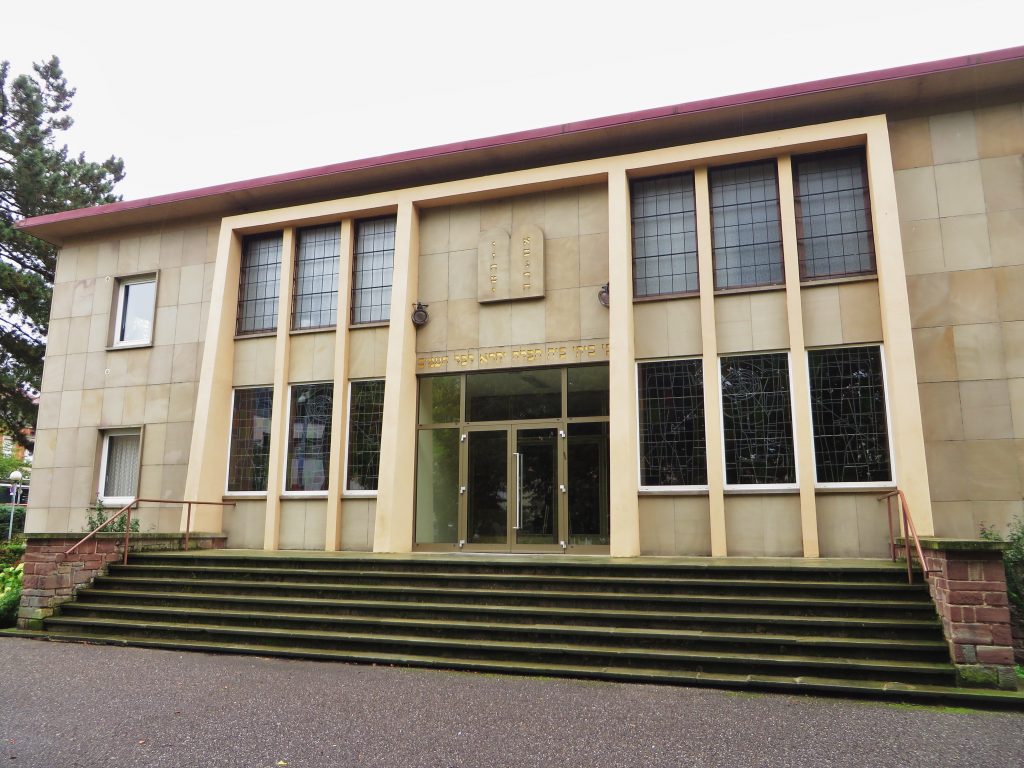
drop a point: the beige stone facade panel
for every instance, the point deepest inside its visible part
(357, 523)
(911, 143)
(1000, 130)
(953, 137)
(852, 525)
(763, 525)
(675, 525)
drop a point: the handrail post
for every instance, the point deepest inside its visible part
(188, 524)
(127, 533)
(892, 535)
(906, 542)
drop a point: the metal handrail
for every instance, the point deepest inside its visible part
(909, 533)
(127, 510)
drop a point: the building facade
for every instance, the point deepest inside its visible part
(722, 328)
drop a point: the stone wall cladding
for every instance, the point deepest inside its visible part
(52, 577)
(969, 590)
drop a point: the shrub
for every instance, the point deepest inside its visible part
(11, 551)
(1013, 559)
(10, 594)
(97, 514)
(5, 519)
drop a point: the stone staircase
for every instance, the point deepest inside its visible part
(849, 627)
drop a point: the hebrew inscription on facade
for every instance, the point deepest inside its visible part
(510, 268)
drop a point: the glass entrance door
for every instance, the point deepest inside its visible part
(537, 468)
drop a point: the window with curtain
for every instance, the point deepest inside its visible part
(120, 472)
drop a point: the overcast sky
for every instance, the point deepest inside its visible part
(198, 93)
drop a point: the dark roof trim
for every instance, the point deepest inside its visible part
(525, 137)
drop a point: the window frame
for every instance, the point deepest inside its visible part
(667, 490)
(272, 330)
(353, 271)
(285, 493)
(754, 488)
(869, 486)
(227, 470)
(365, 494)
(123, 281)
(296, 295)
(772, 159)
(117, 501)
(663, 295)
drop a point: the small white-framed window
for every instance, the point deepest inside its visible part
(759, 452)
(136, 304)
(119, 466)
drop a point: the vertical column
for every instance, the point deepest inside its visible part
(625, 508)
(279, 414)
(207, 463)
(339, 410)
(393, 525)
(709, 347)
(909, 468)
(803, 434)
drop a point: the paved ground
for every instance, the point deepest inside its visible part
(77, 706)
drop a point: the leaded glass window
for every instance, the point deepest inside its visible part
(309, 437)
(259, 283)
(673, 450)
(366, 415)
(664, 235)
(373, 265)
(249, 454)
(316, 278)
(746, 234)
(758, 420)
(851, 437)
(833, 215)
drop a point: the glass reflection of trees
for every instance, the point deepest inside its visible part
(309, 437)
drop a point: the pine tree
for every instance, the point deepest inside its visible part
(37, 177)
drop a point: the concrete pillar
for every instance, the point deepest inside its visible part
(803, 435)
(393, 525)
(709, 346)
(339, 410)
(625, 507)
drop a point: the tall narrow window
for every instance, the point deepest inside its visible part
(373, 264)
(833, 215)
(673, 448)
(366, 412)
(119, 466)
(136, 303)
(259, 281)
(664, 235)
(309, 437)
(315, 302)
(851, 437)
(758, 420)
(745, 217)
(249, 454)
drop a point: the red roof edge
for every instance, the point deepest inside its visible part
(704, 105)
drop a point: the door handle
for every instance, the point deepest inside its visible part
(462, 489)
(518, 492)
(561, 487)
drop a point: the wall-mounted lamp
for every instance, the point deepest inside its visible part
(602, 295)
(419, 314)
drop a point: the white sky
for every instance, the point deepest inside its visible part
(198, 93)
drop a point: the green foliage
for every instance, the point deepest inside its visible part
(11, 551)
(97, 514)
(37, 176)
(10, 594)
(5, 519)
(1013, 558)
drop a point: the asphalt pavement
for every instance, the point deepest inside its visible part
(81, 706)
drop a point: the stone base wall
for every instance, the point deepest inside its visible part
(968, 586)
(52, 577)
